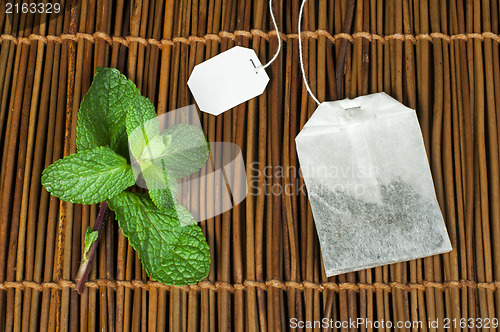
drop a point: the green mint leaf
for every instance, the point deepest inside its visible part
(146, 144)
(89, 176)
(187, 152)
(156, 147)
(164, 199)
(162, 187)
(90, 237)
(171, 245)
(142, 126)
(102, 114)
(140, 116)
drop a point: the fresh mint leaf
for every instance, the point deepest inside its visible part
(164, 199)
(156, 147)
(102, 114)
(90, 237)
(146, 144)
(187, 152)
(142, 126)
(140, 116)
(162, 187)
(89, 176)
(171, 245)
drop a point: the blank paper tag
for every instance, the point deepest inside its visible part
(227, 80)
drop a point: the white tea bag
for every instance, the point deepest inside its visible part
(369, 184)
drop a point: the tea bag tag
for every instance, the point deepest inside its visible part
(227, 80)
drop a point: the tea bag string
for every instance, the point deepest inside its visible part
(301, 12)
(279, 38)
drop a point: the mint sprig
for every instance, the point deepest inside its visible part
(114, 119)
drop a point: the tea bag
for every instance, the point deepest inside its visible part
(369, 184)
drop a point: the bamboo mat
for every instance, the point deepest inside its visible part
(441, 58)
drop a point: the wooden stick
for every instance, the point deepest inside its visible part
(491, 141)
(38, 201)
(66, 211)
(488, 307)
(495, 28)
(6, 64)
(27, 178)
(268, 244)
(260, 213)
(252, 145)
(339, 65)
(48, 243)
(18, 23)
(6, 252)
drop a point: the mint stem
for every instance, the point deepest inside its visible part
(86, 265)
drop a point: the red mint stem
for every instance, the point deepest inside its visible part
(85, 267)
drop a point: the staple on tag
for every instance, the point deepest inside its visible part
(256, 69)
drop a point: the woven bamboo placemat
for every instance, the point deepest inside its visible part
(440, 58)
